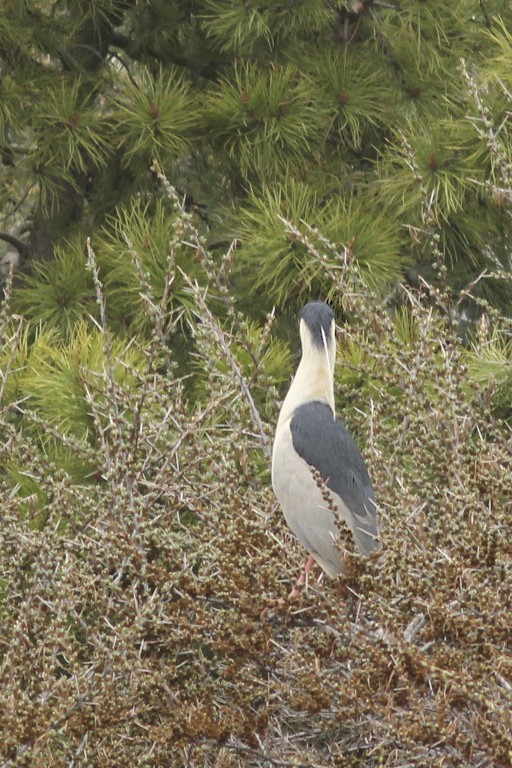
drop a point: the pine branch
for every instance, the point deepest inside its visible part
(20, 246)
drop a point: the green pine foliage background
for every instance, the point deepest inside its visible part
(177, 179)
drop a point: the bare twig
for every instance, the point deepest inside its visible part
(209, 320)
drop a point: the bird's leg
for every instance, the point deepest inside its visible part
(297, 588)
(302, 578)
(309, 565)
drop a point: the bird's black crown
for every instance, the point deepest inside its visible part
(318, 315)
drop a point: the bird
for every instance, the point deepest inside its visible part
(311, 443)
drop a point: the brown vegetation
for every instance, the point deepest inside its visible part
(141, 622)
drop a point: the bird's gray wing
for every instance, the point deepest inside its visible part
(326, 444)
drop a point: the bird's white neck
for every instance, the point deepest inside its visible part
(314, 380)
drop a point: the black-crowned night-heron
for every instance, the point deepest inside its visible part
(310, 441)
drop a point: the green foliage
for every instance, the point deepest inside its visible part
(58, 294)
(440, 152)
(14, 349)
(405, 108)
(490, 366)
(155, 117)
(258, 358)
(242, 28)
(351, 223)
(60, 379)
(63, 386)
(66, 127)
(268, 121)
(143, 243)
(499, 59)
(406, 327)
(10, 104)
(357, 93)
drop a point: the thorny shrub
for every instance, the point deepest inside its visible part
(141, 620)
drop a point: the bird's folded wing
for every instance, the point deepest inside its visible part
(326, 444)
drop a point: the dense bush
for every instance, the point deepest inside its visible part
(144, 559)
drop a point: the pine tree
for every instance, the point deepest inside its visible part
(387, 125)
